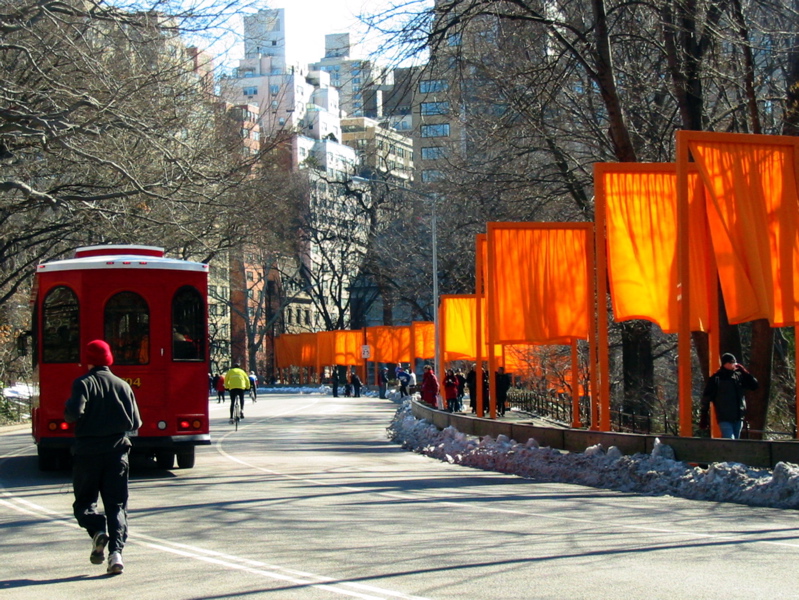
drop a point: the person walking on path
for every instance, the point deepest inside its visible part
(725, 389)
(404, 379)
(219, 384)
(236, 382)
(356, 385)
(430, 387)
(471, 385)
(103, 408)
(503, 382)
(451, 390)
(461, 388)
(382, 383)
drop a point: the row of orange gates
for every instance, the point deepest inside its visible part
(664, 234)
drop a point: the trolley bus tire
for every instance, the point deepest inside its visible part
(164, 459)
(185, 458)
(53, 459)
(48, 459)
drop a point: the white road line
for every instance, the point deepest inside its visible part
(415, 496)
(352, 589)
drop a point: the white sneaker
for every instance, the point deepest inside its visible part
(115, 566)
(99, 541)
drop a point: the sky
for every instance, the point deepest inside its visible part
(322, 17)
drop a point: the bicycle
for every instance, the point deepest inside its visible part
(236, 413)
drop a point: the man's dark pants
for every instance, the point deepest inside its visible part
(104, 475)
(236, 393)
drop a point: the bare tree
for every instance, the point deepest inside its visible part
(547, 89)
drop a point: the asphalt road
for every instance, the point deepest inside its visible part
(309, 500)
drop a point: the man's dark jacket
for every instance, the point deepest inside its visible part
(104, 410)
(725, 389)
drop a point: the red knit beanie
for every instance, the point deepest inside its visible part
(98, 353)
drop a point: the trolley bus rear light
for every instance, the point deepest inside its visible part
(190, 424)
(58, 426)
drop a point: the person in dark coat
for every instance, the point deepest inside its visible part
(725, 389)
(451, 390)
(503, 382)
(104, 410)
(334, 380)
(404, 379)
(383, 382)
(355, 381)
(461, 389)
(471, 385)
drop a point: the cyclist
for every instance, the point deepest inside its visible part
(253, 386)
(236, 381)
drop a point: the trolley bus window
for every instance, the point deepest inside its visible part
(188, 319)
(60, 326)
(127, 328)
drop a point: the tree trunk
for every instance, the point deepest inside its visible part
(791, 124)
(760, 362)
(639, 375)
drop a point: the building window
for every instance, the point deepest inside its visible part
(274, 89)
(435, 130)
(428, 86)
(250, 91)
(435, 108)
(432, 153)
(431, 175)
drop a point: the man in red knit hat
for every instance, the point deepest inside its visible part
(104, 411)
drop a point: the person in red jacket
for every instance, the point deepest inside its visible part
(451, 390)
(430, 387)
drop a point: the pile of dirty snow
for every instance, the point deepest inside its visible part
(652, 474)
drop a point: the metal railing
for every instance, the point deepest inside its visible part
(557, 407)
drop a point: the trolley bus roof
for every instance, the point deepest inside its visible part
(121, 257)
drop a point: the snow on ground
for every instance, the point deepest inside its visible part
(652, 474)
(655, 474)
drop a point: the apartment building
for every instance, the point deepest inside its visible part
(360, 82)
(303, 105)
(382, 151)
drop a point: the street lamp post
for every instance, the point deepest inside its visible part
(433, 199)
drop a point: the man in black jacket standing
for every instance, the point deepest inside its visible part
(725, 389)
(104, 411)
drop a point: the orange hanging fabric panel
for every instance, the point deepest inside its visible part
(348, 347)
(326, 347)
(307, 349)
(640, 203)
(379, 342)
(281, 352)
(752, 210)
(539, 282)
(458, 326)
(424, 338)
(402, 343)
(289, 351)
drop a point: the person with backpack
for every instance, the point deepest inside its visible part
(725, 389)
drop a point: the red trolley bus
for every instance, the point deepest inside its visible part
(152, 312)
